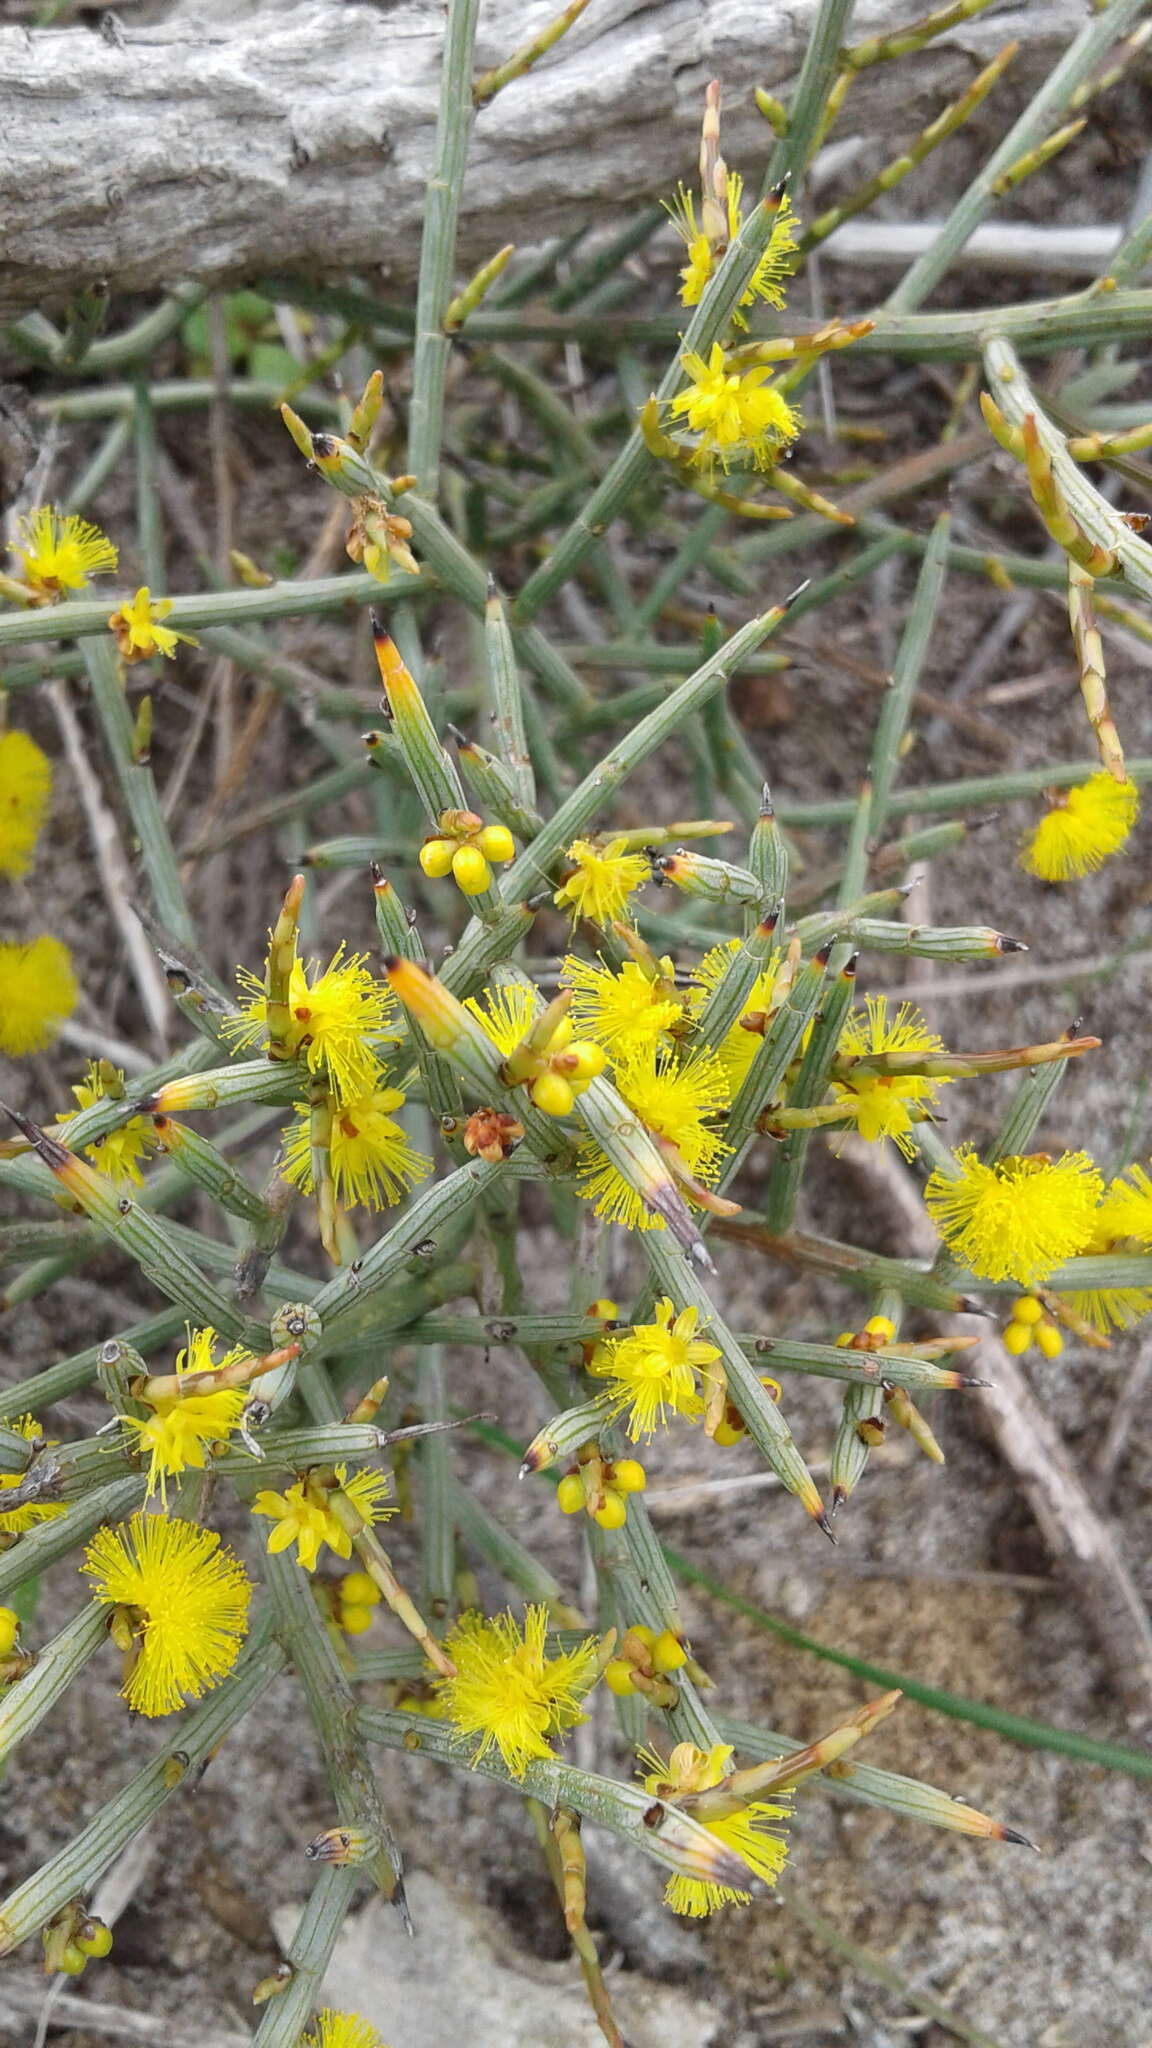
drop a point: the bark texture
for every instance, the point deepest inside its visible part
(298, 139)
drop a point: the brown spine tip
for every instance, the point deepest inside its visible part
(822, 956)
(1004, 944)
(824, 1521)
(391, 962)
(1014, 1835)
(53, 1154)
(849, 968)
(323, 445)
(839, 1496)
(787, 603)
(767, 807)
(378, 630)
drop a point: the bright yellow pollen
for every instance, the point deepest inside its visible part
(188, 1599)
(120, 1152)
(881, 1103)
(1083, 828)
(653, 1371)
(1019, 1219)
(373, 1160)
(337, 1020)
(675, 1100)
(341, 2030)
(746, 1832)
(25, 787)
(61, 551)
(505, 1013)
(304, 1515)
(507, 1691)
(602, 880)
(138, 631)
(38, 993)
(626, 1011)
(16, 1520)
(771, 270)
(740, 417)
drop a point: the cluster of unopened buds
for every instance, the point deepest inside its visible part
(72, 1938)
(351, 1600)
(732, 1428)
(600, 1486)
(642, 1663)
(553, 1064)
(464, 847)
(1031, 1324)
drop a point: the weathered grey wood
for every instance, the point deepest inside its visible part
(298, 138)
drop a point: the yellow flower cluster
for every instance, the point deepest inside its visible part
(180, 1601)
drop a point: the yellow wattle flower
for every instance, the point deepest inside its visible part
(338, 1016)
(186, 1600)
(341, 2030)
(739, 415)
(184, 1427)
(677, 1101)
(601, 881)
(738, 1048)
(138, 632)
(38, 993)
(1084, 827)
(374, 1162)
(14, 1521)
(25, 788)
(120, 1152)
(1019, 1219)
(747, 1832)
(881, 1103)
(767, 280)
(304, 1515)
(504, 1013)
(60, 551)
(654, 1370)
(507, 1691)
(1123, 1222)
(626, 1011)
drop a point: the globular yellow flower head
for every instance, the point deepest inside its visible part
(138, 631)
(737, 1049)
(341, 2030)
(16, 1520)
(1084, 827)
(61, 551)
(677, 1100)
(741, 418)
(554, 1072)
(1123, 1222)
(507, 1691)
(305, 1515)
(186, 1598)
(624, 1012)
(38, 993)
(120, 1152)
(748, 1832)
(655, 1370)
(338, 1017)
(767, 281)
(25, 787)
(601, 881)
(1019, 1219)
(373, 1160)
(882, 1103)
(183, 1427)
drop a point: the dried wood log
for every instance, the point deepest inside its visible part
(222, 146)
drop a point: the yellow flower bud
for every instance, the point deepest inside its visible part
(629, 1476)
(570, 1494)
(605, 1311)
(9, 1629)
(614, 1512)
(1049, 1340)
(355, 1620)
(727, 1433)
(72, 1960)
(618, 1678)
(640, 1633)
(668, 1652)
(561, 1036)
(882, 1327)
(1017, 1338)
(471, 871)
(496, 842)
(552, 1094)
(436, 856)
(357, 1589)
(95, 1939)
(587, 1060)
(1027, 1309)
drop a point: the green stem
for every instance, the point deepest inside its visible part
(438, 247)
